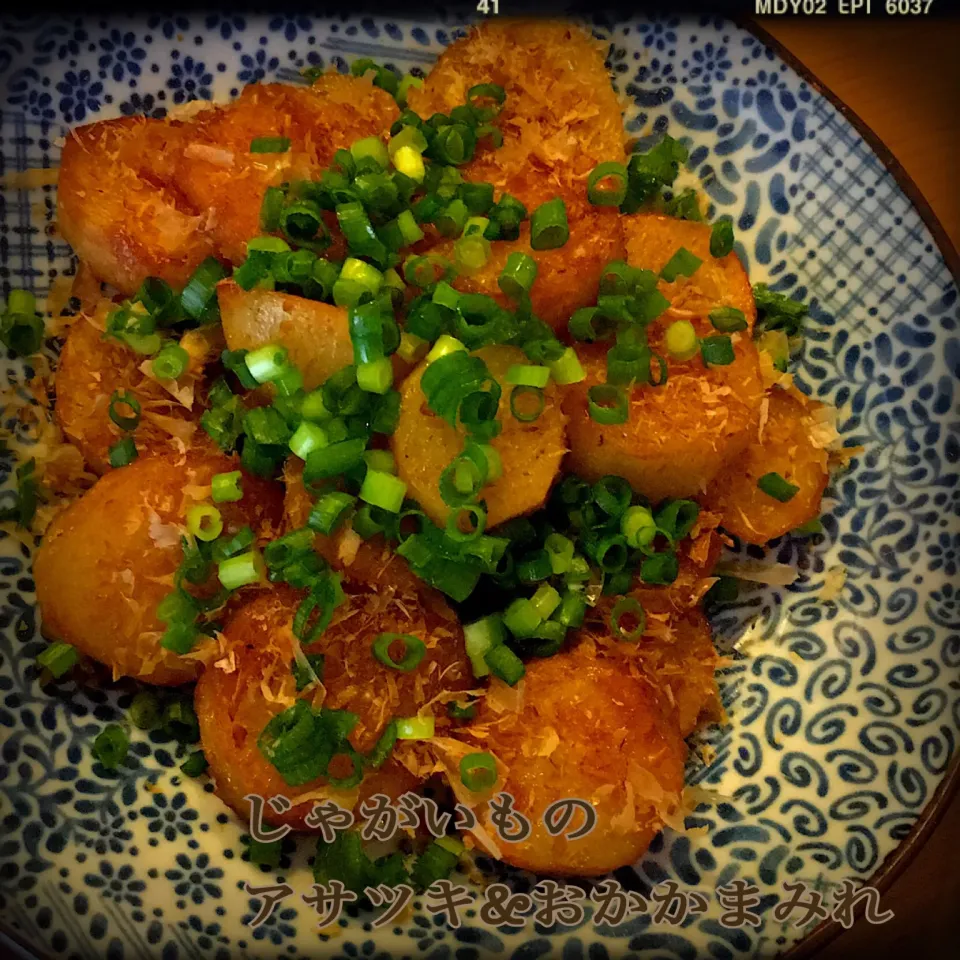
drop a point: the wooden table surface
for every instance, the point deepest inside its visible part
(903, 80)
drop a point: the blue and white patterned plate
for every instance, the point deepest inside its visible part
(845, 713)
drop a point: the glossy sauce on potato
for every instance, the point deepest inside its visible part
(783, 445)
(424, 444)
(90, 371)
(236, 700)
(587, 728)
(561, 117)
(107, 561)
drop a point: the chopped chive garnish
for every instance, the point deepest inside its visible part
(681, 340)
(717, 351)
(111, 746)
(194, 765)
(608, 404)
(478, 771)
(414, 650)
(270, 145)
(123, 452)
(119, 400)
(721, 238)
(227, 487)
(612, 195)
(774, 485)
(728, 319)
(58, 658)
(548, 225)
(628, 619)
(682, 263)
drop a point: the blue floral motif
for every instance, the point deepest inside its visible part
(145, 105)
(169, 26)
(59, 42)
(945, 554)
(117, 883)
(256, 66)
(276, 928)
(169, 818)
(189, 80)
(79, 95)
(195, 879)
(659, 33)
(121, 55)
(289, 27)
(710, 63)
(226, 26)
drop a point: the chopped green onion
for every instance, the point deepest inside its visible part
(58, 658)
(628, 609)
(808, 529)
(333, 460)
(409, 161)
(242, 570)
(548, 225)
(144, 710)
(471, 253)
(518, 275)
(527, 403)
(170, 362)
(545, 601)
(567, 369)
(375, 376)
(613, 196)
(534, 567)
(124, 399)
(204, 522)
(445, 345)
(194, 765)
(728, 319)
(383, 490)
(199, 295)
(382, 460)
(409, 228)
(608, 404)
(309, 437)
(560, 550)
(384, 745)
(180, 720)
(612, 495)
(682, 263)
(412, 348)
(266, 426)
(505, 664)
(572, 610)
(778, 311)
(480, 637)
(508, 214)
(226, 487)
(478, 771)
(414, 650)
(21, 301)
(457, 711)
(638, 527)
(111, 746)
(681, 340)
(521, 618)
(478, 197)
(123, 452)
(676, 518)
(453, 144)
(270, 145)
(271, 208)
(721, 238)
(372, 148)
(660, 569)
(330, 511)
(415, 728)
(717, 351)
(528, 376)
(267, 363)
(774, 485)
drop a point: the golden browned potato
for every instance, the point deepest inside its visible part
(587, 728)
(676, 653)
(568, 277)
(424, 445)
(652, 239)
(118, 208)
(561, 117)
(785, 445)
(108, 559)
(678, 436)
(217, 172)
(233, 708)
(364, 561)
(315, 334)
(91, 370)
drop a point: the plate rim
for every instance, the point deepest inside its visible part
(897, 861)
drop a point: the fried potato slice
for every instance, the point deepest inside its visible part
(109, 558)
(651, 240)
(119, 207)
(784, 444)
(237, 698)
(364, 561)
(219, 174)
(90, 371)
(677, 437)
(424, 445)
(315, 334)
(587, 728)
(561, 117)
